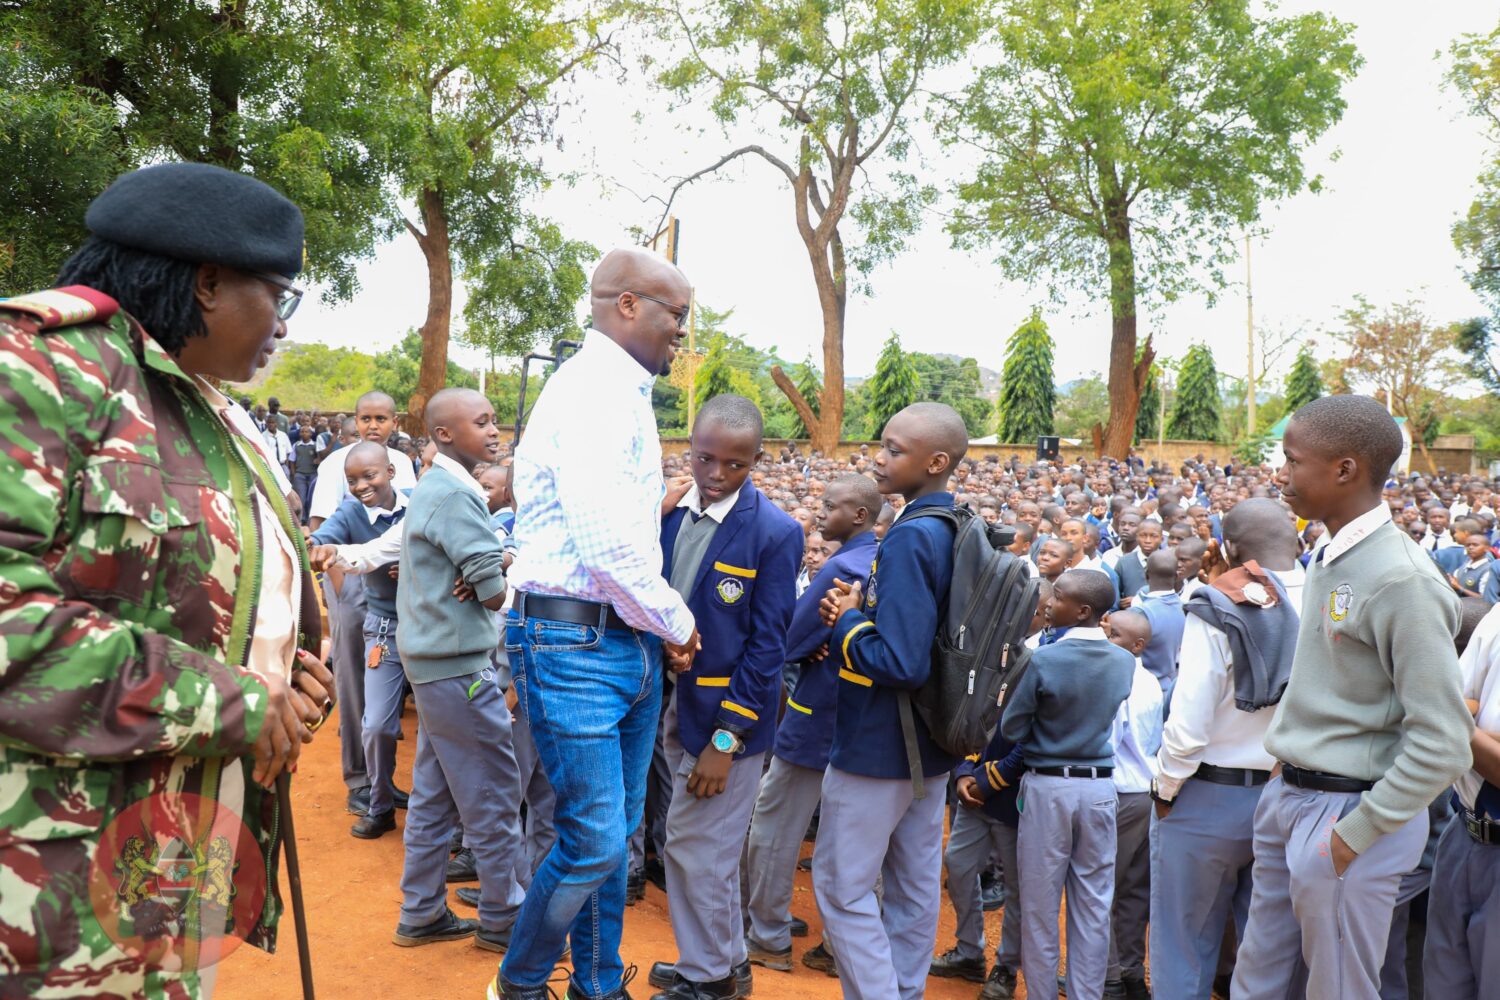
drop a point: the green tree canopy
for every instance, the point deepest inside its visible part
(316, 376)
(1081, 405)
(1148, 416)
(805, 377)
(719, 374)
(396, 371)
(825, 88)
(894, 386)
(1027, 393)
(1126, 144)
(956, 382)
(1196, 408)
(1303, 383)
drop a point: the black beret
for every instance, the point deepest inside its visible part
(201, 214)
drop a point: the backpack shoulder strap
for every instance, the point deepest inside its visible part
(913, 753)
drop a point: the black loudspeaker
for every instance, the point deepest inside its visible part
(1047, 447)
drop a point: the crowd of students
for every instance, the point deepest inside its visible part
(1160, 764)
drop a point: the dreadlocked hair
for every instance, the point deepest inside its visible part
(158, 291)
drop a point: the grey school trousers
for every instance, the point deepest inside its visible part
(788, 797)
(1462, 957)
(346, 622)
(464, 769)
(1067, 840)
(875, 828)
(976, 836)
(1299, 907)
(705, 838)
(1201, 858)
(1132, 906)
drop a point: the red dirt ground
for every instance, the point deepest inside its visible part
(353, 898)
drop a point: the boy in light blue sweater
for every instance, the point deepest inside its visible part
(1063, 710)
(464, 757)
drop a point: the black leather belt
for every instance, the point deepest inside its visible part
(1320, 781)
(567, 609)
(1245, 777)
(1483, 829)
(1074, 771)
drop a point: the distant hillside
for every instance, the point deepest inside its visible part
(989, 381)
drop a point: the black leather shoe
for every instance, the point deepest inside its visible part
(952, 965)
(635, 888)
(799, 927)
(1001, 985)
(468, 896)
(683, 989)
(369, 827)
(776, 961)
(456, 842)
(1221, 987)
(358, 801)
(1135, 989)
(1114, 989)
(664, 976)
(461, 867)
(399, 797)
(820, 958)
(992, 897)
(656, 873)
(492, 940)
(805, 865)
(448, 927)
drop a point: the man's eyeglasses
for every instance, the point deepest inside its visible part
(681, 312)
(289, 299)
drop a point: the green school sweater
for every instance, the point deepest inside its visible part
(1375, 691)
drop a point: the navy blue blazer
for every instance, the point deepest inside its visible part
(742, 602)
(805, 737)
(886, 648)
(998, 771)
(1168, 621)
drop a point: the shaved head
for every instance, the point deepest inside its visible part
(640, 300)
(1161, 568)
(367, 453)
(936, 426)
(862, 489)
(1355, 427)
(1262, 530)
(1131, 623)
(447, 406)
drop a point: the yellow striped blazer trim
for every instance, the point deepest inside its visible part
(856, 630)
(748, 574)
(792, 704)
(739, 710)
(711, 682)
(859, 679)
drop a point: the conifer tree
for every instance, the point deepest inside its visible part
(894, 386)
(1303, 383)
(1195, 411)
(714, 376)
(1027, 392)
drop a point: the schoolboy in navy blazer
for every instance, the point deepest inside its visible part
(742, 600)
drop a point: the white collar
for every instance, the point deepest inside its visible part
(596, 342)
(1084, 633)
(717, 510)
(1159, 593)
(374, 513)
(463, 475)
(1355, 531)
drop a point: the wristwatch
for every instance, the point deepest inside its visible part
(1156, 796)
(726, 742)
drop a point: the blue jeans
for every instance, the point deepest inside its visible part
(593, 699)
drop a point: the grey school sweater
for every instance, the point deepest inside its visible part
(1375, 691)
(447, 535)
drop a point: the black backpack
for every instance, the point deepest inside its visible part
(979, 651)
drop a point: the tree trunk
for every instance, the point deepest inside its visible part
(224, 90)
(435, 248)
(1126, 375)
(829, 428)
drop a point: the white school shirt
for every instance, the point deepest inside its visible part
(332, 488)
(1479, 670)
(1136, 733)
(588, 486)
(1205, 727)
(366, 557)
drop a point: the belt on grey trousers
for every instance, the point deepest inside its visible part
(1074, 771)
(1483, 829)
(1321, 781)
(1245, 777)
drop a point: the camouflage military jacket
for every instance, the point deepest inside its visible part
(129, 571)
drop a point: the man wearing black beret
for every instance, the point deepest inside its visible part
(155, 600)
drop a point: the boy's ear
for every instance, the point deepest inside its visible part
(940, 461)
(390, 470)
(442, 435)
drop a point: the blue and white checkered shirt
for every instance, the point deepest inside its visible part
(588, 486)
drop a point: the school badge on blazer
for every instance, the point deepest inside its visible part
(730, 590)
(1339, 601)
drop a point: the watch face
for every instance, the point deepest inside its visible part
(723, 742)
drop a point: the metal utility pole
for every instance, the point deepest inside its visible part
(1250, 344)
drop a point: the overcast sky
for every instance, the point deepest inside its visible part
(1398, 170)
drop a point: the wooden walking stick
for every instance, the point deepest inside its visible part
(294, 881)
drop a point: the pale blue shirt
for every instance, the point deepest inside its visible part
(588, 486)
(1137, 733)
